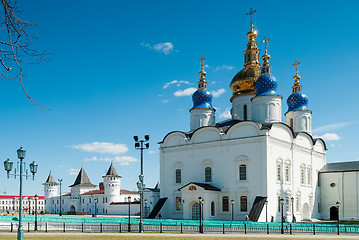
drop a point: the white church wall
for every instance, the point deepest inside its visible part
(208, 134)
(242, 130)
(175, 139)
(238, 104)
(342, 187)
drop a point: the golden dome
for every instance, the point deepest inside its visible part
(244, 81)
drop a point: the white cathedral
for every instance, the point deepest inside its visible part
(253, 164)
(250, 166)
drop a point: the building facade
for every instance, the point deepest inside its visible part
(243, 167)
(10, 204)
(84, 198)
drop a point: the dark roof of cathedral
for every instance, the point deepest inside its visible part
(156, 188)
(112, 171)
(50, 180)
(82, 180)
(341, 167)
(206, 186)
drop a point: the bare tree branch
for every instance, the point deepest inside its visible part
(16, 48)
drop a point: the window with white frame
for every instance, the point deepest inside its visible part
(178, 175)
(242, 172)
(287, 172)
(297, 207)
(279, 172)
(287, 204)
(213, 210)
(309, 176)
(225, 204)
(208, 174)
(243, 201)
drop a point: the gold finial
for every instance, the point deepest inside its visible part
(202, 60)
(296, 66)
(202, 81)
(265, 43)
(251, 13)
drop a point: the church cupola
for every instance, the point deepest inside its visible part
(202, 112)
(243, 83)
(298, 116)
(267, 104)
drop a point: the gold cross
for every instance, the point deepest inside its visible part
(296, 66)
(202, 59)
(251, 13)
(265, 43)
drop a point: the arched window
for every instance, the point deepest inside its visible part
(212, 209)
(302, 181)
(309, 176)
(225, 204)
(242, 172)
(244, 112)
(298, 204)
(208, 174)
(287, 173)
(243, 204)
(178, 176)
(291, 123)
(279, 172)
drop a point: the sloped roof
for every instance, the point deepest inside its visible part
(112, 171)
(206, 186)
(94, 192)
(341, 167)
(50, 180)
(82, 180)
(123, 191)
(156, 188)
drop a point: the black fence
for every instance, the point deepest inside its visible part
(269, 228)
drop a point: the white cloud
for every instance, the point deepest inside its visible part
(226, 114)
(164, 101)
(185, 92)
(329, 137)
(73, 171)
(224, 67)
(125, 160)
(206, 66)
(331, 127)
(218, 93)
(166, 47)
(151, 152)
(178, 83)
(102, 147)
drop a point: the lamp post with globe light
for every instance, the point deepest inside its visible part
(141, 145)
(22, 173)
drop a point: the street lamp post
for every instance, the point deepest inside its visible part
(60, 181)
(33, 169)
(232, 202)
(36, 198)
(129, 213)
(292, 200)
(139, 145)
(282, 203)
(96, 200)
(266, 203)
(201, 203)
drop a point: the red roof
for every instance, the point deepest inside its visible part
(17, 196)
(67, 194)
(123, 191)
(94, 192)
(124, 203)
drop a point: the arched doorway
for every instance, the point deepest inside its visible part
(306, 215)
(72, 209)
(333, 213)
(195, 211)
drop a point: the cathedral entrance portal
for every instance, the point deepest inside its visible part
(72, 209)
(195, 211)
(333, 213)
(306, 212)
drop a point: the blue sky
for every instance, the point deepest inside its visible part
(125, 68)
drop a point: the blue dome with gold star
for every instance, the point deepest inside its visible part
(297, 101)
(266, 84)
(202, 99)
